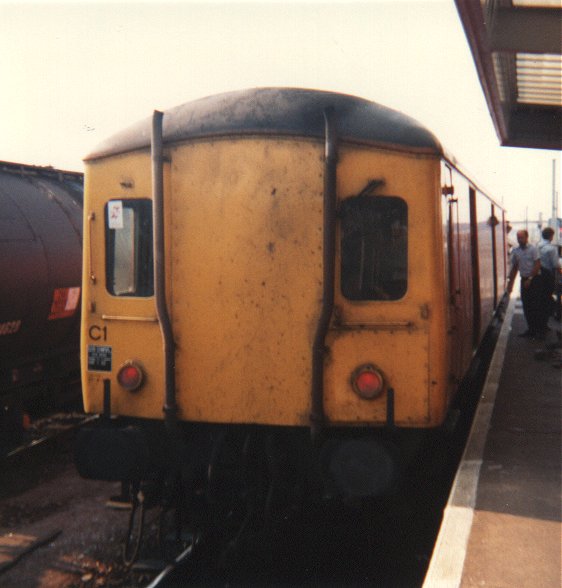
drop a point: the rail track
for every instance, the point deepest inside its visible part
(44, 431)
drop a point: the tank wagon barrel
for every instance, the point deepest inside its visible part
(40, 264)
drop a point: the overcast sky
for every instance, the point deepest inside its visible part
(74, 73)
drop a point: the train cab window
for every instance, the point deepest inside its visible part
(374, 248)
(128, 236)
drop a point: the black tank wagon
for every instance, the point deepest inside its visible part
(40, 291)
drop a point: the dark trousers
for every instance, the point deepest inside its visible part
(531, 298)
(546, 307)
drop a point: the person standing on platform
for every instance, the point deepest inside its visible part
(525, 260)
(549, 265)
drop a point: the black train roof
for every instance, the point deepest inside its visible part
(279, 111)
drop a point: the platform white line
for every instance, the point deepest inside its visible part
(447, 562)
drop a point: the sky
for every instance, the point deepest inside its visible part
(74, 73)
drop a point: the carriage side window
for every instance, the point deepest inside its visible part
(374, 248)
(128, 240)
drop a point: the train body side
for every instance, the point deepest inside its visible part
(475, 249)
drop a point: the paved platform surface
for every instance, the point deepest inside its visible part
(502, 525)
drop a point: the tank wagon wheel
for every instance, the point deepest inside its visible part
(11, 427)
(135, 530)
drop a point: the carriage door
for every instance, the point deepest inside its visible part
(453, 265)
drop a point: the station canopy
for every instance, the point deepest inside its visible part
(517, 50)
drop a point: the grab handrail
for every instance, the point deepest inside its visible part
(317, 415)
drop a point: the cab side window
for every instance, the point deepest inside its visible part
(128, 247)
(374, 248)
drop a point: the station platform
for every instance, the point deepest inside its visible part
(502, 524)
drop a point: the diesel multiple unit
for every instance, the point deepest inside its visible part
(282, 288)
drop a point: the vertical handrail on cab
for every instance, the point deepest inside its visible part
(157, 150)
(91, 219)
(317, 416)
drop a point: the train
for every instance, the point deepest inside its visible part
(41, 264)
(282, 290)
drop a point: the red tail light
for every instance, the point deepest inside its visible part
(367, 382)
(130, 376)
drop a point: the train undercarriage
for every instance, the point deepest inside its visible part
(220, 487)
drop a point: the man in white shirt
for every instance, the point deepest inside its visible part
(525, 260)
